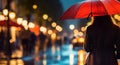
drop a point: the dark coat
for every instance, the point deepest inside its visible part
(102, 43)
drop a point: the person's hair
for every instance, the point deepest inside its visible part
(102, 20)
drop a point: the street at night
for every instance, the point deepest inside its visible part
(59, 32)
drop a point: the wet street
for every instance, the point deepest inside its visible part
(54, 55)
(53, 32)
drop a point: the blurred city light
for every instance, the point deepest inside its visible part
(71, 27)
(35, 6)
(53, 24)
(5, 12)
(13, 34)
(50, 32)
(58, 57)
(76, 32)
(58, 28)
(81, 57)
(20, 62)
(53, 49)
(71, 47)
(31, 25)
(74, 41)
(43, 29)
(81, 40)
(12, 15)
(81, 34)
(19, 20)
(12, 62)
(71, 59)
(26, 27)
(53, 36)
(24, 22)
(45, 16)
(2, 17)
(44, 62)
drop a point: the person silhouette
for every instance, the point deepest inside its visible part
(102, 41)
(2, 39)
(42, 38)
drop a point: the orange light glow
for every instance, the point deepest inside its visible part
(81, 40)
(53, 36)
(35, 30)
(81, 57)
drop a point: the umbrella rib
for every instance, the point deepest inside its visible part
(90, 14)
(91, 9)
(104, 8)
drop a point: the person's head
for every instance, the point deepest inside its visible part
(103, 20)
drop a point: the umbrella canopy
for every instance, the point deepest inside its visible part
(4, 23)
(92, 8)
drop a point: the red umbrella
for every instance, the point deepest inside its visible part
(92, 8)
(4, 23)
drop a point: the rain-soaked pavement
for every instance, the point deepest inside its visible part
(63, 55)
(54, 55)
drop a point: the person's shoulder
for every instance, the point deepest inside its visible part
(89, 27)
(116, 27)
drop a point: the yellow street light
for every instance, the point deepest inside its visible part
(5, 12)
(12, 15)
(2, 17)
(81, 40)
(76, 31)
(45, 16)
(50, 32)
(19, 20)
(24, 23)
(31, 25)
(81, 33)
(43, 29)
(53, 24)
(35, 6)
(59, 28)
(53, 36)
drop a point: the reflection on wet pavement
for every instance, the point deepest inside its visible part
(12, 62)
(54, 55)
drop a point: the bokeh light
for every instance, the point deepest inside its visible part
(43, 29)
(35, 6)
(2, 17)
(12, 15)
(45, 16)
(5, 12)
(31, 25)
(71, 27)
(19, 20)
(53, 24)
